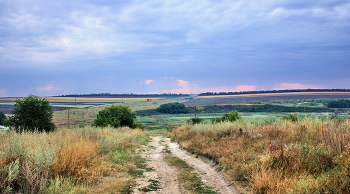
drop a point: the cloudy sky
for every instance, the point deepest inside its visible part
(172, 46)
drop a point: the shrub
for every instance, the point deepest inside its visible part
(32, 114)
(173, 108)
(117, 116)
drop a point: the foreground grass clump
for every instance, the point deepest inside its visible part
(79, 160)
(308, 156)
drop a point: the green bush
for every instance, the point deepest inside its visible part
(173, 108)
(32, 114)
(117, 116)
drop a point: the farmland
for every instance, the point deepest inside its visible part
(81, 111)
(265, 97)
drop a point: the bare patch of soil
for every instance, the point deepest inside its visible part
(166, 175)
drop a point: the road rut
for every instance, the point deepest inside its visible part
(166, 175)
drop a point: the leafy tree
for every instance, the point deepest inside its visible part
(229, 117)
(173, 108)
(32, 114)
(2, 118)
(117, 116)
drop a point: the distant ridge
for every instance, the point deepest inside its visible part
(273, 91)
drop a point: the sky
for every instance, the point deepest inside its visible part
(172, 46)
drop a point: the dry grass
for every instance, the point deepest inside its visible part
(76, 159)
(309, 156)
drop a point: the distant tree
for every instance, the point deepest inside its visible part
(32, 114)
(117, 116)
(2, 118)
(173, 108)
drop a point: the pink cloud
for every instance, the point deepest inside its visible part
(240, 88)
(177, 91)
(148, 82)
(183, 83)
(283, 86)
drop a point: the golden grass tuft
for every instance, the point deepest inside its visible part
(80, 160)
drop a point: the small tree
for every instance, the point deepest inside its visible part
(117, 116)
(32, 114)
(2, 118)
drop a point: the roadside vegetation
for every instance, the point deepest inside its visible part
(81, 160)
(283, 156)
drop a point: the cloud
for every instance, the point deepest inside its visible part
(148, 82)
(188, 41)
(283, 86)
(240, 88)
(183, 83)
(186, 87)
(47, 88)
(177, 91)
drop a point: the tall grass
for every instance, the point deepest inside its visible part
(308, 156)
(67, 160)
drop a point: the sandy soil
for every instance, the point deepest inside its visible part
(167, 175)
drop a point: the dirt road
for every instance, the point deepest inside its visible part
(166, 175)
